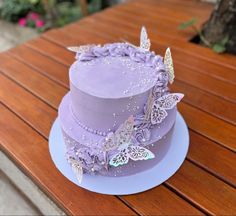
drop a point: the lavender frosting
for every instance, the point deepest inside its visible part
(102, 97)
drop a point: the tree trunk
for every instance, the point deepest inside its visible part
(222, 24)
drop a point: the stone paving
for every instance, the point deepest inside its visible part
(12, 35)
(12, 201)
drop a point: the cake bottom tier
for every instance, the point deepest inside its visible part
(159, 148)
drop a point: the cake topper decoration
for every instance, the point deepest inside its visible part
(128, 151)
(158, 114)
(149, 104)
(121, 136)
(162, 104)
(81, 49)
(144, 40)
(169, 65)
(77, 168)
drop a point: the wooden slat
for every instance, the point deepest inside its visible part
(205, 190)
(162, 24)
(206, 102)
(35, 112)
(35, 82)
(183, 207)
(30, 151)
(179, 12)
(159, 202)
(205, 124)
(199, 6)
(47, 48)
(58, 72)
(214, 158)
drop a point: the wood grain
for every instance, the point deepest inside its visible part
(213, 128)
(213, 157)
(27, 148)
(205, 190)
(35, 82)
(35, 112)
(57, 72)
(160, 202)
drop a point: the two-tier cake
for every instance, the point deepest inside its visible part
(119, 110)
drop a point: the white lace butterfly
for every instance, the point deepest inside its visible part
(121, 136)
(77, 169)
(128, 151)
(169, 65)
(81, 49)
(159, 106)
(145, 43)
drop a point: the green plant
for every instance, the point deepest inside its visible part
(218, 47)
(50, 13)
(12, 10)
(64, 12)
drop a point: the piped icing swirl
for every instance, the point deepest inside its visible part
(123, 49)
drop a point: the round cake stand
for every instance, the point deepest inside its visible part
(127, 184)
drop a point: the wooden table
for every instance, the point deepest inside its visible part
(34, 78)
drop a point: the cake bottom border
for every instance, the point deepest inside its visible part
(124, 185)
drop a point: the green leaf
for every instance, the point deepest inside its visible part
(31, 24)
(225, 40)
(218, 48)
(34, 1)
(187, 24)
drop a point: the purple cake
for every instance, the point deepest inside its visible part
(119, 111)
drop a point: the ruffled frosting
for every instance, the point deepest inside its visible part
(123, 49)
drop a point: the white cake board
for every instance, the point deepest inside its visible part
(128, 184)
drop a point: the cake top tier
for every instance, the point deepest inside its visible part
(116, 70)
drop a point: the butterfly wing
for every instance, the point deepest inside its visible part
(144, 40)
(124, 133)
(149, 106)
(158, 114)
(169, 101)
(109, 142)
(119, 159)
(77, 169)
(81, 49)
(139, 153)
(169, 65)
